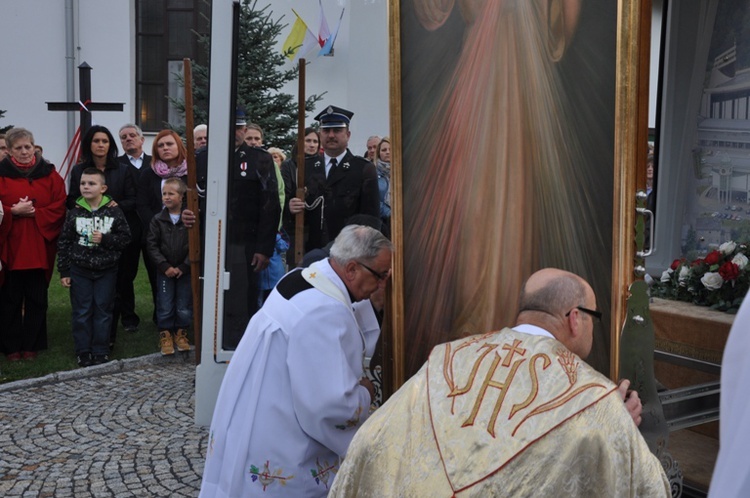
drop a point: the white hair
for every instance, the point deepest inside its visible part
(358, 242)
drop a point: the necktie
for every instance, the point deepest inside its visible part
(333, 163)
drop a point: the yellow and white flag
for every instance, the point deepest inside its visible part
(300, 40)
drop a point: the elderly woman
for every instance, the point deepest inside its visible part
(278, 156)
(33, 198)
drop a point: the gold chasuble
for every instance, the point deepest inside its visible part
(502, 414)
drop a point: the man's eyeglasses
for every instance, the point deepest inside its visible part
(379, 276)
(596, 314)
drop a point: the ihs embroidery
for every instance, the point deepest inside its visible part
(505, 361)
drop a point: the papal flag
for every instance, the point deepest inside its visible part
(300, 41)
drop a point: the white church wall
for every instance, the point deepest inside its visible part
(356, 77)
(34, 64)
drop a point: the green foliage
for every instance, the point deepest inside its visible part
(60, 354)
(260, 77)
(3, 129)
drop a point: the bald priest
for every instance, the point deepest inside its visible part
(509, 413)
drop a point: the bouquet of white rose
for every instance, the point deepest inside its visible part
(719, 280)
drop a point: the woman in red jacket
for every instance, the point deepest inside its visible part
(33, 198)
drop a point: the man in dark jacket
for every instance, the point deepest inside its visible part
(132, 140)
(253, 213)
(339, 184)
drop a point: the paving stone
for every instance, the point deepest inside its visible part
(121, 429)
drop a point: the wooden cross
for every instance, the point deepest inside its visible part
(84, 106)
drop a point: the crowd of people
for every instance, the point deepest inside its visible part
(515, 409)
(119, 209)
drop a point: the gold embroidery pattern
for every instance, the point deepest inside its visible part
(352, 422)
(534, 383)
(568, 361)
(508, 357)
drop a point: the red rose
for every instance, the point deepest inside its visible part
(713, 258)
(697, 262)
(729, 271)
(676, 264)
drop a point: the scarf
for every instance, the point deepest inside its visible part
(163, 171)
(39, 169)
(22, 166)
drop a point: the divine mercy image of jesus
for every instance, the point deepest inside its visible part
(508, 151)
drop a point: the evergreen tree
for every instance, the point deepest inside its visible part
(260, 76)
(3, 129)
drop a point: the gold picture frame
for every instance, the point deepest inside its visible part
(628, 119)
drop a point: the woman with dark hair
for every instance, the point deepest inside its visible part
(99, 150)
(33, 198)
(289, 174)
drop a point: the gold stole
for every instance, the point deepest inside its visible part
(492, 396)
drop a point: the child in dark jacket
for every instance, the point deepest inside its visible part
(90, 244)
(167, 245)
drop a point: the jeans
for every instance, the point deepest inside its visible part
(92, 297)
(174, 302)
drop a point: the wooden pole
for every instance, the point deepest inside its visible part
(194, 234)
(299, 229)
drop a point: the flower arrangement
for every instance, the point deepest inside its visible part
(719, 280)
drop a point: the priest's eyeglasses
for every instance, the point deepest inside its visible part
(378, 275)
(596, 314)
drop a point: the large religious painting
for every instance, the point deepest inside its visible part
(504, 125)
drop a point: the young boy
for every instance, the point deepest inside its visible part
(167, 246)
(92, 238)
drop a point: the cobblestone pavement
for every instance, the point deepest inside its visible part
(121, 429)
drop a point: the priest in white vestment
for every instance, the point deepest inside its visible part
(295, 391)
(509, 413)
(731, 477)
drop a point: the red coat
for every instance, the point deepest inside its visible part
(31, 243)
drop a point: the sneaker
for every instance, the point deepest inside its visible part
(181, 340)
(84, 359)
(165, 341)
(98, 359)
(29, 355)
(131, 328)
(13, 356)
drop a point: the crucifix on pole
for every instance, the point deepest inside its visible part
(84, 105)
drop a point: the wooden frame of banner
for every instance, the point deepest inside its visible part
(630, 154)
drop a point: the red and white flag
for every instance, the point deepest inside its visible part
(323, 32)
